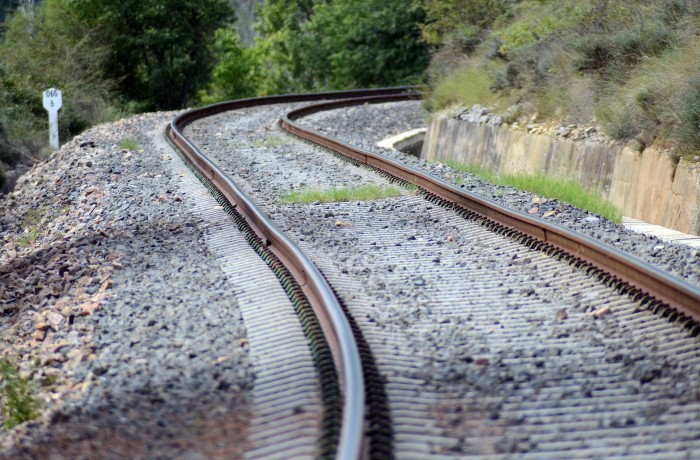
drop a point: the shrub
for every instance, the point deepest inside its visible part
(237, 72)
(465, 86)
(49, 49)
(688, 131)
(448, 20)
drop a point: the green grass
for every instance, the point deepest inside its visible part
(465, 86)
(29, 237)
(17, 401)
(269, 141)
(34, 216)
(565, 190)
(333, 195)
(128, 144)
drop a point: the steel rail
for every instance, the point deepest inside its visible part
(656, 284)
(352, 442)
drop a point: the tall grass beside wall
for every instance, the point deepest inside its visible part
(564, 190)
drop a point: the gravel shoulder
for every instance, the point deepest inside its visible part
(112, 306)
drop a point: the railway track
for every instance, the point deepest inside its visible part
(524, 357)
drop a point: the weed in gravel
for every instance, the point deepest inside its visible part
(17, 401)
(29, 236)
(34, 216)
(336, 194)
(269, 141)
(128, 144)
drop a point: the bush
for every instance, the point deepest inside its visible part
(688, 131)
(466, 86)
(456, 20)
(237, 72)
(158, 50)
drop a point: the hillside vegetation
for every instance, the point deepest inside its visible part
(631, 66)
(111, 58)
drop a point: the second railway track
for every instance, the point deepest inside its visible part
(486, 347)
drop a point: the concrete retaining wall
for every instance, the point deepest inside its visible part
(647, 185)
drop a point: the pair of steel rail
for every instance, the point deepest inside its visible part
(657, 289)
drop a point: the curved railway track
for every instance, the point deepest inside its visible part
(639, 283)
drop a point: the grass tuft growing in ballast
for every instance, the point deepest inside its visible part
(336, 194)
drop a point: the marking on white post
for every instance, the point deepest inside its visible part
(52, 102)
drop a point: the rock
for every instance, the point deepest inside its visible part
(563, 131)
(39, 335)
(55, 319)
(602, 311)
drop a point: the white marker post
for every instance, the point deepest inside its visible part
(52, 102)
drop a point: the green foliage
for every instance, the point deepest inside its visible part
(48, 48)
(630, 65)
(363, 43)
(338, 194)
(536, 21)
(460, 21)
(565, 190)
(308, 45)
(18, 403)
(237, 72)
(279, 23)
(158, 49)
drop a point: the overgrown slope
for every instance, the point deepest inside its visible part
(632, 66)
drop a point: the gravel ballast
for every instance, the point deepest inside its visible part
(112, 306)
(487, 348)
(104, 271)
(366, 125)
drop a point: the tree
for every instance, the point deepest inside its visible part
(311, 45)
(40, 50)
(279, 22)
(362, 43)
(236, 74)
(158, 48)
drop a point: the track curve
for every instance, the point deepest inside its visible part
(659, 287)
(351, 441)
